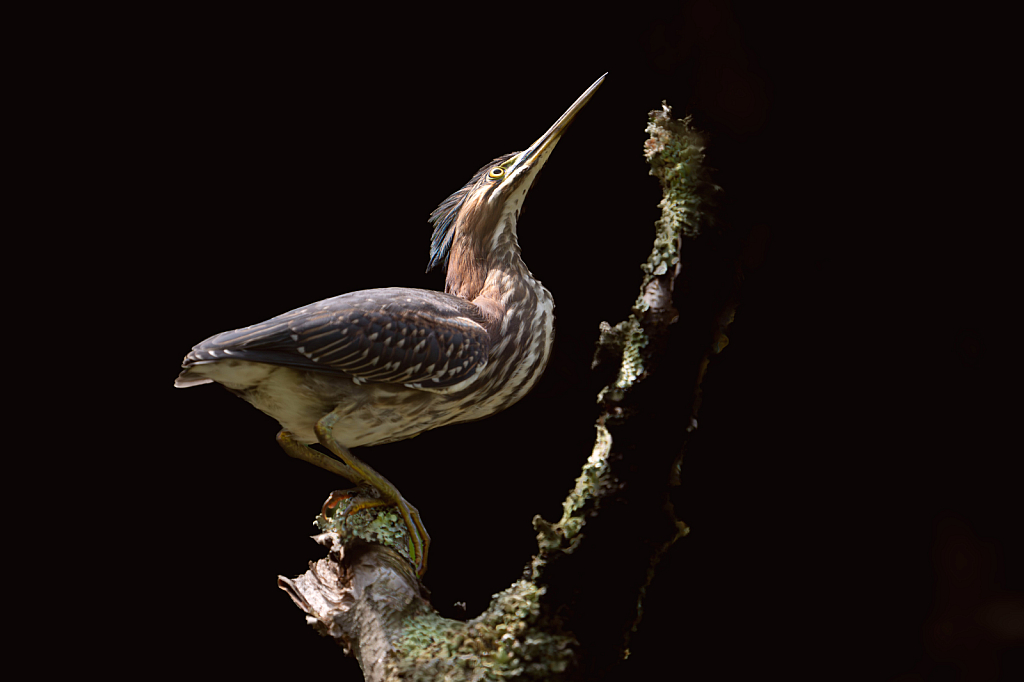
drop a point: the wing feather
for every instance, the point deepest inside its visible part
(396, 335)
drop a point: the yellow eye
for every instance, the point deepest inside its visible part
(496, 172)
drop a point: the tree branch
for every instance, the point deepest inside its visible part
(573, 614)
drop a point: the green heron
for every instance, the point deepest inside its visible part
(382, 365)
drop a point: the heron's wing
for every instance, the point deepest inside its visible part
(397, 335)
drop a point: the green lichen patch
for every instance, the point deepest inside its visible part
(502, 643)
(630, 340)
(566, 534)
(344, 513)
(675, 152)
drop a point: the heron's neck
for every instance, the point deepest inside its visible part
(488, 269)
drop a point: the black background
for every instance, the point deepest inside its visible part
(848, 507)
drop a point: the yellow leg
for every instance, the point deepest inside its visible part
(358, 472)
(307, 454)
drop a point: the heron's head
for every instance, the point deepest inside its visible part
(478, 223)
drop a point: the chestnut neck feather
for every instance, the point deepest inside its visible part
(481, 268)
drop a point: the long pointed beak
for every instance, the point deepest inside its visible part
(530, 161)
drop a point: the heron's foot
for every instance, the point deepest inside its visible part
(340, 514)
(419, 539)
(355, 470)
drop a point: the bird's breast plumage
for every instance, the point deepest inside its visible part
(519, 353)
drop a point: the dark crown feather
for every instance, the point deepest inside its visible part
(443, 217)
